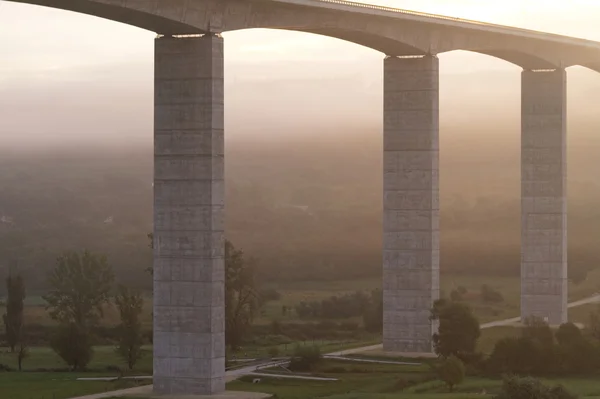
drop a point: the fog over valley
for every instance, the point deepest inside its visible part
(304, 161)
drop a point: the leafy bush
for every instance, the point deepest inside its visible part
(458, 330)
(536, 352)
(488, 294)
(5, 368)
(340, 307)
(305, 358)
(274, 351)
(74, 346)
(451, 371)
(531, 388)
(269, 294)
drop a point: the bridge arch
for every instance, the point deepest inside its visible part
(589, 65)
(178, 17)
(518, 58)
(115, 11)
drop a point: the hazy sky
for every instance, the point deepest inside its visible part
(35, 39)
(71, 70)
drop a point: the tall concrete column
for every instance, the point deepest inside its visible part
(544, 196)
(411, 244)
(189, 306)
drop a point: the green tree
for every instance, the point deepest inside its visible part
(458, 329)
(537, 329)
(451, 370)
(73, 344)
(305, 358)
(373, 315)
(22, 354)
(530, 388)
(576, 353)
(80, 286)
(150, 269)
(519, 355)
(131, 306)
(544, 357)
(568, 334)
(489, 294)
(241, 299)
(13, 319)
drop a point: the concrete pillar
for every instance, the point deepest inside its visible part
(411, 243)
(544, 196)
(189, 306)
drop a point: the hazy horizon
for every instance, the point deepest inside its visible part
(73, 79)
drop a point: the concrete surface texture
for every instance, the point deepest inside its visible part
(391, 31)
(189, 341)
(411, 244)
(544, 196)
(189, 303)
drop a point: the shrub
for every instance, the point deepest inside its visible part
(488, 294)
(269, 294)
(74, 346)
(531, 388)
(305, 358)
(274, 351)
(451, 371)
(5, 368)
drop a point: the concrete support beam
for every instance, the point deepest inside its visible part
(544, 196)
(189, 305)
(411, 244)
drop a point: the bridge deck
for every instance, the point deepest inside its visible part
(391, 12)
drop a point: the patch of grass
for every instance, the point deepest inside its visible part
(295, 292)
(585, 387)
(386, 381)
(55, 385)
(326, 346)
(104, 357)
(355, 377)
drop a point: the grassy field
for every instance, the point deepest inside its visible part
(55, 385)
(326, 346)
(509, 287)
(294, 293)
(105, 359)
(389, 382)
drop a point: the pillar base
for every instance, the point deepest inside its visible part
(146, 393)
(223, 395)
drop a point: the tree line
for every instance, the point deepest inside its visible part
(82, 285)
(537, 351)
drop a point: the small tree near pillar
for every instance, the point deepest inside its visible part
(13, 319)
(451, 371)
(130, 305)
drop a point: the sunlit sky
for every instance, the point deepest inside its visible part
(35, 39)
(85, 78)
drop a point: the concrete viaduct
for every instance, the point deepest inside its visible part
(189, 339)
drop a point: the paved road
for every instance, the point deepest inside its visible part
(508, 322)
